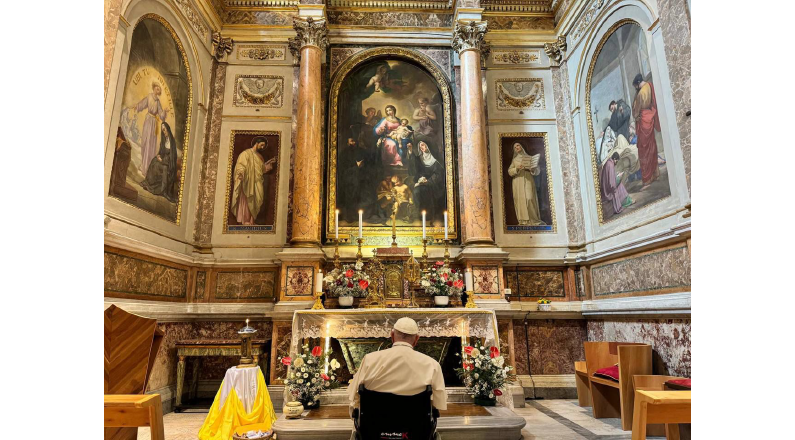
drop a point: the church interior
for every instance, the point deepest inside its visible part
(284, 180)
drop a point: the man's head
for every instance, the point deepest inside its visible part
(370, 112)
(156, 89)
(406, 330)
(351, 142)
(612, 106)
(615, 157)
(259, 143)
(637, 81)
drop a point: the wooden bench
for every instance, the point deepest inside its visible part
(583, 384)
(610, 399)
(135, 410)
(654, 383)
(669, 407)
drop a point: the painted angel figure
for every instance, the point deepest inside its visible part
(379, 79)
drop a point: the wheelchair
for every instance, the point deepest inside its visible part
(386, 416)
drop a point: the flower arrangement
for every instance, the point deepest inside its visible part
(351, 280)
(544, 301)
(484, 373)
(441, 280)
(306, 377)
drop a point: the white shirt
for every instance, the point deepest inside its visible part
(399, 370)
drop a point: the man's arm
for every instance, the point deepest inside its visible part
(439, 392)
(353, 386)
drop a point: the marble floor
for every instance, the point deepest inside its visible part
(546, 420)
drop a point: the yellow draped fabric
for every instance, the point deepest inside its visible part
(222, 420)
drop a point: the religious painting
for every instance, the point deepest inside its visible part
(390, 150)
(629, 164)
(151, 146)
(252, 181)
(528, 205)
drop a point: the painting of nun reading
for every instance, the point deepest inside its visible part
(150, 149)
(527, 196)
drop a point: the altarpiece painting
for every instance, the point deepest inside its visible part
(152, 138)
(390, 141)
(627, 150)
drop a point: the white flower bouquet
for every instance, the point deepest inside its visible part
(484, 373)
(441, 280)
(307, 377)
(351, 280)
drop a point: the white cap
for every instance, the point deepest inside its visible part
(407, 326)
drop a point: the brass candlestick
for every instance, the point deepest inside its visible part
(318, 305)
(471, 300)
(446, 251)
(246, 359)
(336, 253)
(424, 253)
(359, 242)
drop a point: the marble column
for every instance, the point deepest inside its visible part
(476, 218)
(307, 175)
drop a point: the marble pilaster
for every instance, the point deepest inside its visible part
(112, 12)
(309, 44)
(476, 218)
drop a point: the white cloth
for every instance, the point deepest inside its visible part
(399, 370)
(244, 381)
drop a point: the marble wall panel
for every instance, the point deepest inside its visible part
(300, 280)
(572, 196)
(201, 284)
(669, 338)
(246, 284)
(561, 7)
(203, 228)
(486, 279)
(390, 19)
(133, 276)
(675, 27)
(282, 334)
(537, 283)
(112, 12)
(267, 18)
(338, 55)
(553, 345)
(504, 330)
(655, 272)
(523, 23)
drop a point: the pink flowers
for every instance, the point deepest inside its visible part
(317, 351)
(439, 263)
(445, 276)
(494, 352)
(349, 273)
(497, 392)
(363, 284)
(458, 284)
(468, 350)
(287, 360)
(324, 376)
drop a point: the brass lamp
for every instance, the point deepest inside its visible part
(246, 359)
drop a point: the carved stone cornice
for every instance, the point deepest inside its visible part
(526, 6)
(221, 46)
(309, 32)
(555, 50)
(470, 37)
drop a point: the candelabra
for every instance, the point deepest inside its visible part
(446, 252)
(424, 253)
(318, 305)
(359, 242)
(471, 300)
(336, 253)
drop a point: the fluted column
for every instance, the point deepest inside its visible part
(307, 176)
(468, 42)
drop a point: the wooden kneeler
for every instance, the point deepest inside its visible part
(669, 407)
(135, 410)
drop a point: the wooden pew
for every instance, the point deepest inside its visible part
(655, 383)
(583, 384)
(610, 398)
(134, 410)
(669, 407)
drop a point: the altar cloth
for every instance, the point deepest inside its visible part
(243, 399)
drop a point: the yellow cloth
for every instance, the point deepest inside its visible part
(222, 420)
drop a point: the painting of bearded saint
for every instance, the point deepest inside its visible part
(252, 182)
(391, 142)
(150, 150)
(627, 144)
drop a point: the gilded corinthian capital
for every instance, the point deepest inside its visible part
(470, 36)
(310, 32)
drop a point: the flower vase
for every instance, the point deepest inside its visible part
(346, 301)
(545, 307)
(485, 401)
(293, 410)
(441, 301)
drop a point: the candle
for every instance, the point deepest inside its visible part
(328, 339)
(337, 224)
(445, 225)
(360, 223)
(468, 280)
(319, 281)
(423, 224)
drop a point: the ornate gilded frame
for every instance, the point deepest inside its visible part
(436, 73)
(554, 225)
(228, 182)
(186, 137)
(591, 138)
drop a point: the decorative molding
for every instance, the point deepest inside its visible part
(555, 50)
(486, 280)
(470, 37)
(668, 304)
(222, 46)
(261, 52)
(520, 22)
(520, 94)
(262, 91)
(246, 284)
(250, 4)
(391, 4)
(516, 56)
(193, 17)
(586, 19)
(534, 6)
(299, 281)
(309, 32)
(390, 19)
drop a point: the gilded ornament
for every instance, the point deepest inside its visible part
(309, 32)
(222, 46)
(471, 37)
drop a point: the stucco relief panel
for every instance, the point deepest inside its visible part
(133, 276)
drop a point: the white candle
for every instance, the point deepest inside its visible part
(328, 339)
(445, 225)
(423, 224)
(337, 224)
(319, 281)
(468, 280)
(360, 223)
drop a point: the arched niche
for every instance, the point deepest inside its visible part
(416, 88)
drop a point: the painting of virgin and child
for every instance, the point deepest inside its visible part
(390, 146)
